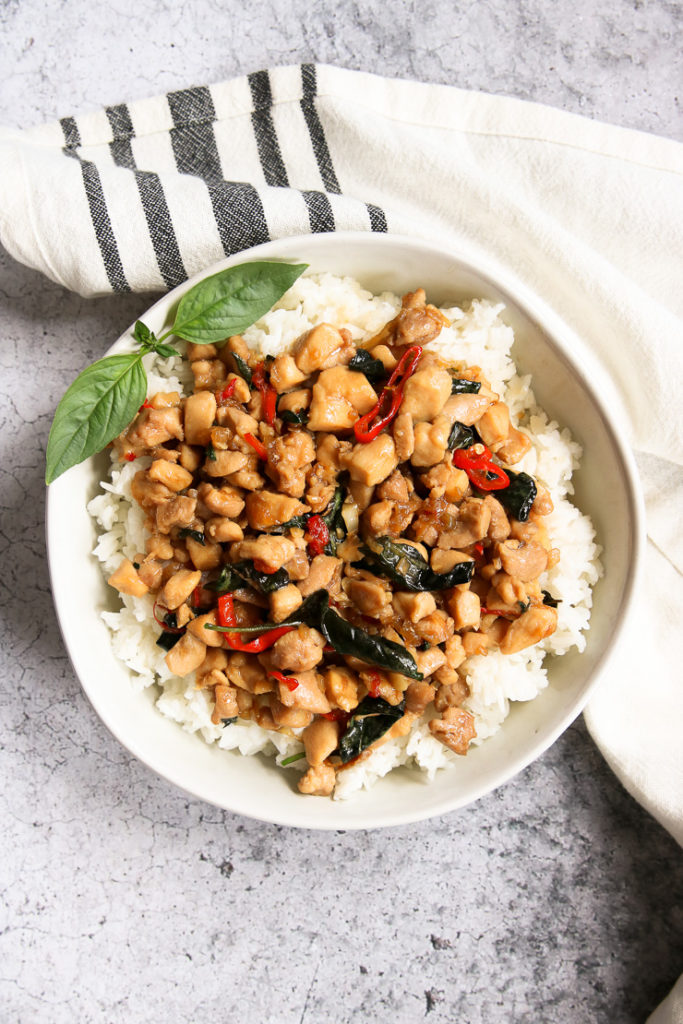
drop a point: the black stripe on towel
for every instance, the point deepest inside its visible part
(320, 214)
(378, 220)
(267, 143)
(315, 129)
(152, 197)
(237, 207)
(99, 214)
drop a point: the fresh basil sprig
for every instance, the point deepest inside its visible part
(105, 397)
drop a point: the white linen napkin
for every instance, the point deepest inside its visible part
(588, 216)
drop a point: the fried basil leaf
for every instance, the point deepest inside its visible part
(194, 534)
(519, 496)
(266, 582)
(242, 368)
(368, 723)
(227, 581)
(363, 362)
(549, 600)
(404, 564)
(462, 386)
(299, 419)
(462, 436)
(334, 521)
(349, 639)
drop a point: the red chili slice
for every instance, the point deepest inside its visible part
(258, 446)
(369, 426)
(160, 622)
(318, 535)
(130, 456)
(374, 683)
(261, 643)
(268, 393)
(225, 612)
(482, 471)
(228, 391)
(289, 681)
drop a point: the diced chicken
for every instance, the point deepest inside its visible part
(307, 694)
(435, 628)
(298, 566)
(174, 477)
(211, 637)
(450, 694)
(298, 651)
(476, 643)
(431, 440)
(185, 656)
(413, 606)
(200, 351)
(190, 457)
(371, 597)
(371, 463)
(266, 509)
(525, 561)
(222, 531)
(494, 425)
(150, 572)
(285, 374)
(320, 347)
(247, 673)
(208, 374)
(156, 426)
(289, 718)
(404, 436)
(465, 607)
(445, 481)
(455, 729)
(178, 511)
(200, 413)
(430, 661)
(341, 687)
(272, 551)
(159, 546)
(515, 448)
(534, 625)
(148, 493)
(320, 575)
(426, 393)
(377, 517)
(320, 738)
(126, 580)
(289, 458)
(178, 588)
(207, 555)
(295, 401)
(454, 651)
(419, 695)
(474, 518)
(418, 326)
(443, 561)
(225, 704)
(499, 527)
(222, 501)
(340, 396)
(225, 463)
(284, 601)
(466, 409)
(318, 781)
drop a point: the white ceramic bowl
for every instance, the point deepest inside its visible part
(606, 489)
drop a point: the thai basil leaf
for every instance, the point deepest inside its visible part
(194, 534)
(334, 521)
(462, 436)
(100, 403)
(363, 362)
(168, 640)
(348, 639)
(519, 496)
(299, 419)
(227, 580)
(210, 452)
(232, 300)
(143, 335)
(549, 600)
(266, 582)
(404, 564)
(462, 386)
(228, 721)
(242, 368)
(369, 722)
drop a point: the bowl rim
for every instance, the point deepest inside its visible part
(563, 338)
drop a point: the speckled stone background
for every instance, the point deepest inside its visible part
(555, 900)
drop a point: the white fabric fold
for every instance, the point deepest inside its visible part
(589, 217)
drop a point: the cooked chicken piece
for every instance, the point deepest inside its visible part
(318, 781)
(272, 551)
(285, 374)
(216, 660)
(239, 421)
(371, 463)
(225, 703)
(159, 546)
(499, 527)
(245, 672)
(249, 478)
(340, 396)
(200, 413)
(385, 356)
(284, 601)
(266, 509)
(413, 606)
(377, 517)
(395, 487)
(466, 409)
(494, 425)
(200, 351)
(307, 694)
(445, 481)
(224, 463)
(289, 458)
(426, 393)
(178, 511)
(148, 493)
(455, 651)
(361, 494)
(474, 518)
(295, 401)
(179, 587)
(543, 503)
(190, 457)
(404, 436)
(185, 656)
(443, 561)
(289, 718)
(298, 651)
(416, 326)
(525, 561)
(371, 597)
(155, 426)
(209, 374)
(509, 590)
(431, 441)
(207, 555)
(515, 448)
(419, 695)
(320, 738)
(430, 661)
(222, 501)
(221, 531)
(455, 729)
(150, 572)
(211, 637)
(534, 625)
(298, 566)
(341, 687)
(465, 607)
(321, 347)
(436, 627)
(450, 694)
(321, 574)
(126, 580)
(476, 643)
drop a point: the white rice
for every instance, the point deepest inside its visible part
(478, 337)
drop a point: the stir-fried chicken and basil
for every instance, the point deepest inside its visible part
(333, 532)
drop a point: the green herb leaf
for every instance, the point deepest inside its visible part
(299, 419)
(363, 362)
(462, 436)
(462, 386)
(349, 639)
(100, 403)
(232, 300)
(166, 351)
(168, 640)
(266, 582)
(549, 600)
(518, 497)
(194, 534)
(368, 723)
(226, 581)
(143, 335)
(404, 564)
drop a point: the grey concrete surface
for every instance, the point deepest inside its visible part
(554, 900)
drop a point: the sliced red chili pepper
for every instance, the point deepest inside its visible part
(478, 549)
(268, 393)
(130, 456)
(257, 445)
(374, 683)
(196, 597)
(337, 715)
(482, 471)
(318, 535)
(160, 622)
(289, 681)
(228, 391)
(260, 643)
(369, 426)
(145, 405)
(226, 610)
